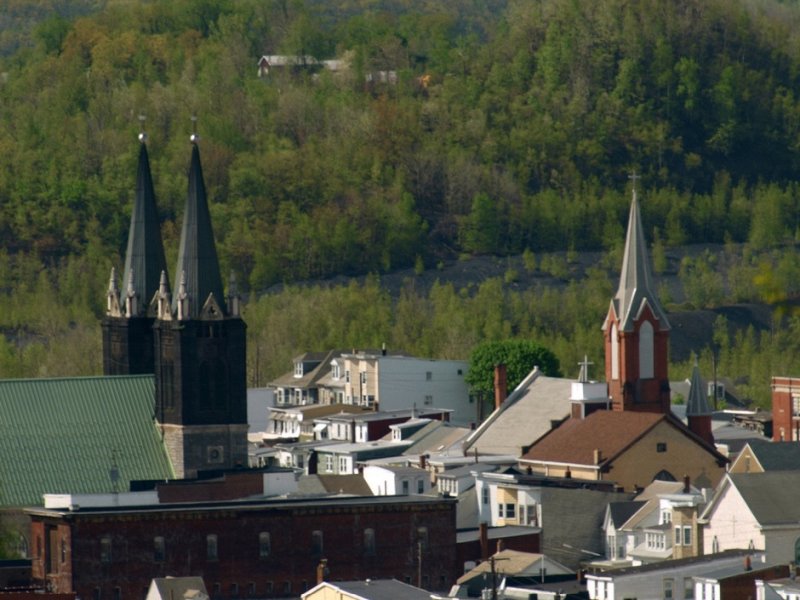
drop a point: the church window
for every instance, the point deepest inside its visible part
(661, 447)
(159, 549)
(614, 352)
(316, 542)
(646, 350)
(212, 553)
(264, 544)
(105, 550)
(369, 542)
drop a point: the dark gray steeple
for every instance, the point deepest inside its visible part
(697, 403)
(144, 259)
(636, 280)
(197, 257)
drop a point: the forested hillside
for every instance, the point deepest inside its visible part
(512, 127)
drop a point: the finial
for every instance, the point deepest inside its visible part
(112, 283)
(194, 138)
(130, 290)
(233, 295)
(112, 297)
(164, 301)
(183, 298)
(142, 134)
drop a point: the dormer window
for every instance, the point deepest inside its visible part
(298, 369)
(336, 370)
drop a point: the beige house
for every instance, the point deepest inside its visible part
(377, 589)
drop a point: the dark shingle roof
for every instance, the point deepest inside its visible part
(772, 496)
(772, 456)
(622, 511)
(64, 435)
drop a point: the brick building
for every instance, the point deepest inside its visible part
(246, 549)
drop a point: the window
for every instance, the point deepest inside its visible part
(715, 546)
(500, 510)
(687, 535)
(298, 369)
(677, 536)
(211, 547)
(796, 404)
(485, 494)
(347, 376)
(428, 376)
(97, 594)
(159, 550)
(511, 511)
(264, 544)
(287, 587)
(369, 542)
(666, 516)
(117, 593)
(234, 590)
(316, 542)
(404, 484)
(646, 350)
(428, 400)
(420, 486)
(422, 537)
(668, 583)
(329, 463)
(343, 465)
(614, 352)
(661, 447)
(268, 588)
(251, 589)
(688, 589)
(105, 550)
(63, 551)
(337, 371)
(363, 377)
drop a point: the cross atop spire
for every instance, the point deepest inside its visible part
(697, 403)
(583, 376)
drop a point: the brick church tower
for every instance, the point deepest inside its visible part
(636, 331)
(128, 345)
(200, 350)
(194, 343)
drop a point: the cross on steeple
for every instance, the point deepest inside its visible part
(194, 138)
(634, 177)
(142, 134)
(583, 377)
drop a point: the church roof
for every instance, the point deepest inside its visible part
(610, 432)
(66, 435)
(636, 281)
(145, 253)
(697, 404)
(197, 256)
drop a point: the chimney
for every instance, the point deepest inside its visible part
(423, 461)
(568, 474)
(597, 456)
(500, 385)
(501, 545)
(484, 539)
(322, 570)
(687, 487)
(383, 349)
(747, 564)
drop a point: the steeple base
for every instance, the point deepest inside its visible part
(193, 448)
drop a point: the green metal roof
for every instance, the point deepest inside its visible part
(65, 435)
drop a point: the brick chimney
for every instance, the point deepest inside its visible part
(500, 385)
(484, 538)
(322, 570)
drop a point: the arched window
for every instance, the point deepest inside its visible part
(614, 352)
(646, 351)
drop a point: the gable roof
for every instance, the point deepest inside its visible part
(177, 588)
(771, 497)
(610, 432)
(64, 435)
(373, 589)
(334, 484)
(527, 414)
(776, 456)
(620, 512)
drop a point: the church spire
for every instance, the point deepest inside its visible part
(145, 253)
(197, 257)
(637, 330)
(636, 280)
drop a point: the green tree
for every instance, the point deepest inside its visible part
(519, 357)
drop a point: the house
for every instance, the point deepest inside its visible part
(755, 510)
(510, 565)
(391, 480)
(759, 456)
(537, 404)
(786, 588)
(569, 512)
(299, 423)
(785, 409)
(661, 523)
(369, 426)
(674, 579)
(352, 485)
(736, 583)
(299, 387)
(177, 588)
(260, 548)
(368, 589)
(345, 458)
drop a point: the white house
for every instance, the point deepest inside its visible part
(755, 510)
(388, 480)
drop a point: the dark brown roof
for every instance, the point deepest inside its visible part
(575, 441)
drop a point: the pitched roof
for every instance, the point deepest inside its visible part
(776, 456)
(334, 484)
(610, 432)
(771, 496)
(177, 588)
(620, 512)
(145, 254)
(373, 589)
(197, 256)
(527, 414)
(697, 404)
(64, 435)
(311, 376)
(636, 281)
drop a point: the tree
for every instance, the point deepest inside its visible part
(519, 357)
